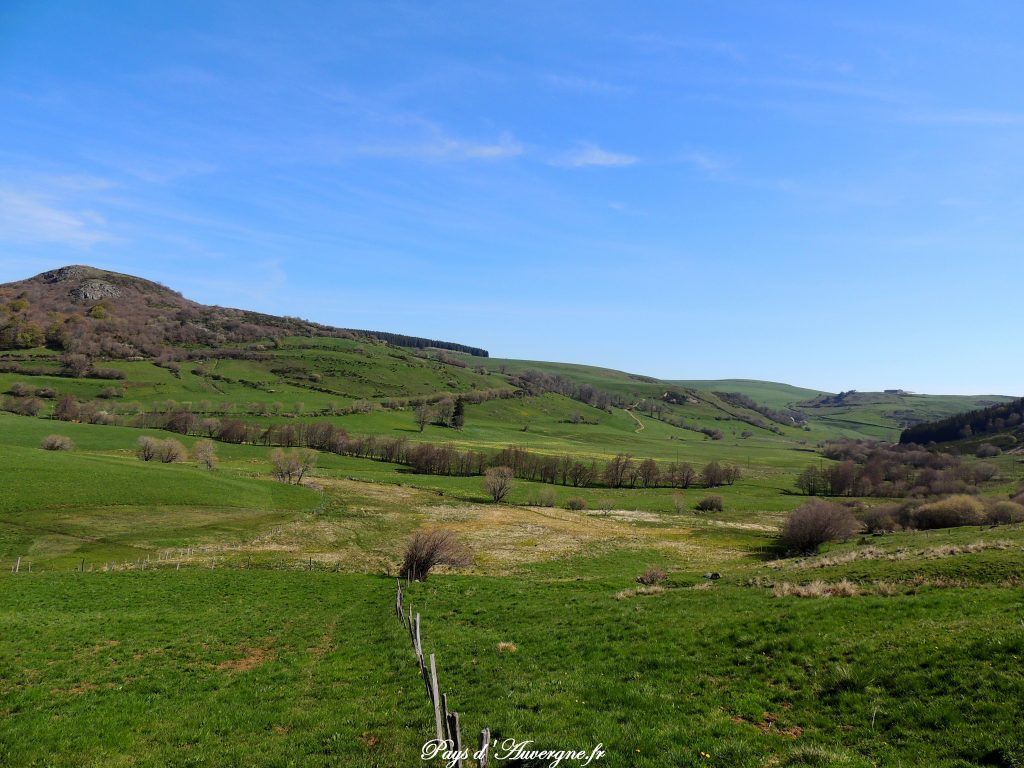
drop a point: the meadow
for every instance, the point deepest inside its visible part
(167, 614)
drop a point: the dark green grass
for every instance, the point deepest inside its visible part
(146, 669)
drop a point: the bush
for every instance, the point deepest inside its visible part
(678, 502)
(984, 471)
(63, 443)
(1006, 512)
(427, 549)
(576, 503)
(949, 512)
(815, 523)
(652, 576)
(987, 451)
(498, 482)
(710, 504)
(880, 519)
(20, 389)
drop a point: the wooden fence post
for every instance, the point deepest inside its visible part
(436, 697)
(456, 736)
(485, 746)
(446, 717)
(17, 565)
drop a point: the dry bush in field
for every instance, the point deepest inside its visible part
(881, 519)
(498, 482)
(1006, 512)
(949, 512)
(57, 443)
(652, 576)
(842, 588)
(427, 549)
(205, 454)
(815, 523)
(710, 504)
(577, 503)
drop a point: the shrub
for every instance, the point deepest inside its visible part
(949, 512)
(880, 519)
(651, 577)
(710, 504)
(815, 523)
(61, 443)
(20, 389)
(987, 451)
(984, 471)
(427, 549)
(576, 503)
(498, 482)
(1006, 512)
(678, 502)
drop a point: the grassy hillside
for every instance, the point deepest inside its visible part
(169, 614)
(224, 618)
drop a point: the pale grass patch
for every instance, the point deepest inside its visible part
(877, 553)
(844, 588)
(507, 647)
(636, 591)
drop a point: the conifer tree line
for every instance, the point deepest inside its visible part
(995, 418)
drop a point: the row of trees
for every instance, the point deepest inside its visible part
(536, 382)
(622, 471)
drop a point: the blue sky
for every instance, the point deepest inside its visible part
(828, 194)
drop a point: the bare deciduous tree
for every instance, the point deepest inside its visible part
(498, 482)
(423, 416)
(292, 466)
(205, 454)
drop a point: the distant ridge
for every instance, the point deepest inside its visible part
(98, 312)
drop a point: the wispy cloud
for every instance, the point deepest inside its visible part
(707, 162)
(582, 84)
(720, 48)
(441, 148)
(970, 117)
(588, 155)
(29, 218)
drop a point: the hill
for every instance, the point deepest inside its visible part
(99, 313)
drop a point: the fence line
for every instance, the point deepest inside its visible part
(446, 721)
